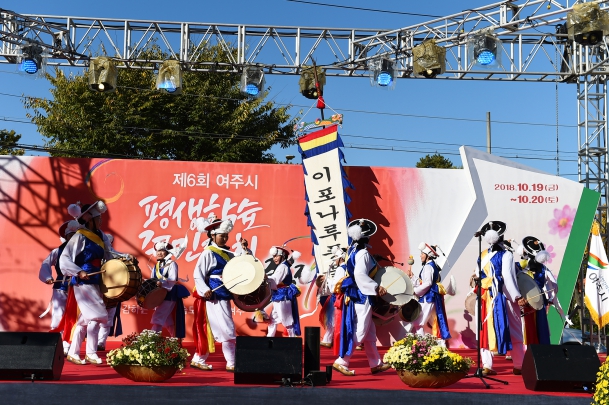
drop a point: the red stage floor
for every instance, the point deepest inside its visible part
(90, 374)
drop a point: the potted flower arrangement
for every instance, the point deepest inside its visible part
(421, 362)
(148, 356)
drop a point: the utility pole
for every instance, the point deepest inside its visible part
(488, 132)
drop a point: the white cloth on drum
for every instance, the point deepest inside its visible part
(104, 328)
(162, 316)
(58, 304)
(220, 318)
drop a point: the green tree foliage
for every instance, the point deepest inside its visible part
(8, 143)
(210, 121)
(435, 161)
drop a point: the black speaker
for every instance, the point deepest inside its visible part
(31, 355)
(267, 360)
(311, 349)
(560, 367)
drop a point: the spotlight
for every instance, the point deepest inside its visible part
(429, 59)
(169, 78)
(382, 72)
(252, 81)
(484, 49)
(102, 74)
(31, 60)
(587, 23)
(307, 82)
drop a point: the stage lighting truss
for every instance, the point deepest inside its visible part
(484, 50)
(103, 74)
(31, 60)
(169, 79)
(382, 72)
(307, 82)
(252, 81)
(587, 24)
(429, 59)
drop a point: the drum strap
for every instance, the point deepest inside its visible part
(219, 252)
(92, 237)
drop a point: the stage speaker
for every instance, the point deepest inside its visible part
(311, 349)
(31, 355)
(560, 367)
(266, 360)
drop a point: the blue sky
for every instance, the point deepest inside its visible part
(417, 117)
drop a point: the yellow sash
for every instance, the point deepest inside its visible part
(488, 301)
(157, 272)
(219, 252)
(92, 237)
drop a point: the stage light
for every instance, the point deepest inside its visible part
(169, 78)
(587, 23)
(484, 49)
(307, 82)
(382, 72)
(103, 74)
(252, 81)
(429, 59)
(31, 60)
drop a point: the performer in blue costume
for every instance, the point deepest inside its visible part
(502, 326)
(358, 289)
(208, 277)
(427, 289)
(284, 293)
(60, 288)
(536, 328)
(166, 272)
(83, 255)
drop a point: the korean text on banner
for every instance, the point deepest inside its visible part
(597, 276)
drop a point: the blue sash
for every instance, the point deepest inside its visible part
(433, 295)
(221, 293)
(90, 261)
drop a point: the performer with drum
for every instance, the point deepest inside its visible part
(536, 328)
(212, 297)
(502, 326)
(326, 283)
(60, 288)
(284, 293)
(358, 288)
(83, 255)
(166, 273)
(427, 290)
(113, 325)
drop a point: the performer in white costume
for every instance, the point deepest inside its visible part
(502, 327)
(113, 324)
(83, 255)
(326, 283)
(358, 288)
(208, 277)
(60, 288)
(284, 293)
(168, 272)
(427, 290)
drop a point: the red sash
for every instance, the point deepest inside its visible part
(68, 320)
(200, 326)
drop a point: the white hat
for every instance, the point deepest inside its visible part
(163, 246)
(338, 253)
(90, 210)
(429, 250)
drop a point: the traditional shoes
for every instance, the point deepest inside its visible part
(325, 344)
(380, 368)
(343, 370)
(516, 371)
(230, 369)
(201, 366)
(94, 359)
(488, 371)
(76, 360)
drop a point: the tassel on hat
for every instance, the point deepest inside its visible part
(491, 236)
(74, 210)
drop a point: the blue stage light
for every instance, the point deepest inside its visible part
(384, 79)
(486, 58)
(168, 86)
(252, 89)
(29, 66)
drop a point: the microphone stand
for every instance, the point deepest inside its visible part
(478, 372)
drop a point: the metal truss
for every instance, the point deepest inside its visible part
(525, 28)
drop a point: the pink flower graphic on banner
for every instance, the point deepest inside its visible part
(550, 250)
(562, 222)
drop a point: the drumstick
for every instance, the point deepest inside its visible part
(538, 295)
(392, 283)
(221, 285)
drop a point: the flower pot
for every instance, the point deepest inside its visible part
(429, 380)
(144, 373)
